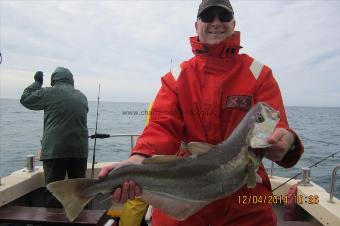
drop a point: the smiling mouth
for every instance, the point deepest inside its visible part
(216, 32)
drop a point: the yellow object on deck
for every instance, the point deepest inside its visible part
(114, 213)
(148, 114)
(133, 212)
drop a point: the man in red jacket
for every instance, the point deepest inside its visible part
(203, 100)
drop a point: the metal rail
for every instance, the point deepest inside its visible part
(271, 170)
(133, 138)
(331, 193)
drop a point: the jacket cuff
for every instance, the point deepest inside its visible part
(294, 154)
(141, 152)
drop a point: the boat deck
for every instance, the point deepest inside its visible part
(49, 216)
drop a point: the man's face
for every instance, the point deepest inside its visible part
(209, 27)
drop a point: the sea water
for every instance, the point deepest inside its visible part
(21, 131)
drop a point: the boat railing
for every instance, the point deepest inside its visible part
(332, 190)
(133, 137)
(271, 170)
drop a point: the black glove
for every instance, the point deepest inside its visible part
(38, 77)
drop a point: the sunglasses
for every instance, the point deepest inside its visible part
(209, 16)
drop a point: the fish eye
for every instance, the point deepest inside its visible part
(259, 118)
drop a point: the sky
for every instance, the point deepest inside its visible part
(127, 46)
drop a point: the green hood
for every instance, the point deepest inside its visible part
(62, 75)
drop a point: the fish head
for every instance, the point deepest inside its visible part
(265, 119)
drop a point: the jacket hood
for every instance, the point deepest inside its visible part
(62, 75)
(228, 47)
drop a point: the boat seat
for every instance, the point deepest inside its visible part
(298, 223)
(49, 216)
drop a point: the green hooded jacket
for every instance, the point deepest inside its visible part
(65, 116)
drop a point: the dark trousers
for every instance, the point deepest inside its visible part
(56, 169)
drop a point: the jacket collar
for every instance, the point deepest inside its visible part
(227, 48)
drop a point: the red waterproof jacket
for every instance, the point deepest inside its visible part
(205, 99)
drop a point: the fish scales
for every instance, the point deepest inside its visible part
(181, 187)
(161, 180)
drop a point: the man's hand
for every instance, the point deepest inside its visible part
(129, 189)
(38, 77)
(282, 141)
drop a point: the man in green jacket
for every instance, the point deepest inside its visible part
(65, 137)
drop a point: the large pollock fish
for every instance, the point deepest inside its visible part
(182, 186)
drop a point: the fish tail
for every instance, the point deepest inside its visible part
(68, 193)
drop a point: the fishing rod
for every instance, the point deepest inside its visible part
(100, 136)
(313, 165)
(319, 141)
(105, 135)
(95, 137)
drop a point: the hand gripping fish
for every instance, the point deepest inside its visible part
(182, 186)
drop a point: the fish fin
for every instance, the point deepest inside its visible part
(67, 192)
(157, 159)
(199, 148)
(179, 209)
(251, 181)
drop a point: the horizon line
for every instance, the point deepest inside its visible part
(111, 101)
